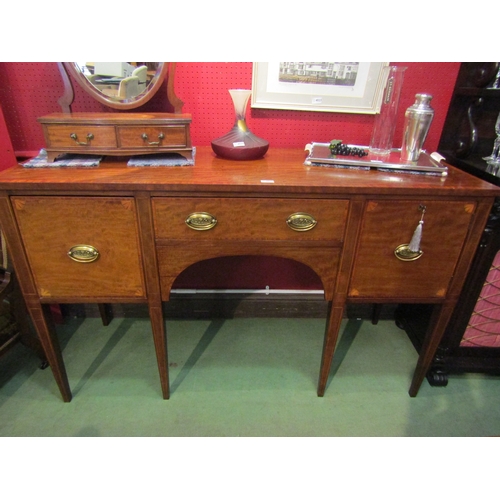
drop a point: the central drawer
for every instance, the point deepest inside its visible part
(250, 219)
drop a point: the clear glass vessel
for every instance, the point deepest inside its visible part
(240, 143)
(385, 122)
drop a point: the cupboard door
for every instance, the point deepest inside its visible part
(81, 246)
(386, 225)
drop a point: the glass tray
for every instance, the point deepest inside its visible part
(319, 154)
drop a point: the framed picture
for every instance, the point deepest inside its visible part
(338, 87)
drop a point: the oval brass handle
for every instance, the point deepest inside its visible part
(301, 221)
(403, 252)
(83, 253)
(201, 221)
(161, 136)
(75, 138)
(411, 251)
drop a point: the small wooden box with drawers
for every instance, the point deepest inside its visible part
(116, 134)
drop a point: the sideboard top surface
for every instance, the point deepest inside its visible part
(281, 171)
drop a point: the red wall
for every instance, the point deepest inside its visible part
(7, 156)
(30, 90)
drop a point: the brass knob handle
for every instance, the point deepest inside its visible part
(301, 221)
(161, 136)
(83, 253)
(75, 138)
(201, 221)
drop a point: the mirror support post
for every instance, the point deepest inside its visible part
(68, 96)
(174, 101)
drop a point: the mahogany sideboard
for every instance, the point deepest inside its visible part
(117, 234)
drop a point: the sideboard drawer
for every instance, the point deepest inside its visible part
(205, 219)
(379, 273)
(152, 137)
(101, 235)
(80, 136)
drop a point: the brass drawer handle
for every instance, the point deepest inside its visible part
(403, 252)
(201, 221)
(83, 253)
(301, 221)
(411, 251)
(89, 138)
(161, 136)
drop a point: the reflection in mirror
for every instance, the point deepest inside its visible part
(119, 80)
(119, 85)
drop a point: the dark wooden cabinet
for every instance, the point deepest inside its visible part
(469, 130)
(471, 342)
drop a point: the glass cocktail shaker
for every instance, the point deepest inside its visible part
(418, 120)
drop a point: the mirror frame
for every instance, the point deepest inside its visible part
(165, 70)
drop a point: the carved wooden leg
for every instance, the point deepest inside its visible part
(153, 288)
(160, 341)
(42, 320)
(377, 309)
(437, 377)
(106, 313)
(20, 313)
(51, 156)
(437, 325)
(187, 154)
(331, 335)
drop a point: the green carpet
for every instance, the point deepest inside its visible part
(238, 377)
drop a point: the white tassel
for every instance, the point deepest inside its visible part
(414, 245)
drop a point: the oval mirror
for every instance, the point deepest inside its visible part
(119, 85)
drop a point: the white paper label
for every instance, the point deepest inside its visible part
(267, 181)
(239, 144)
